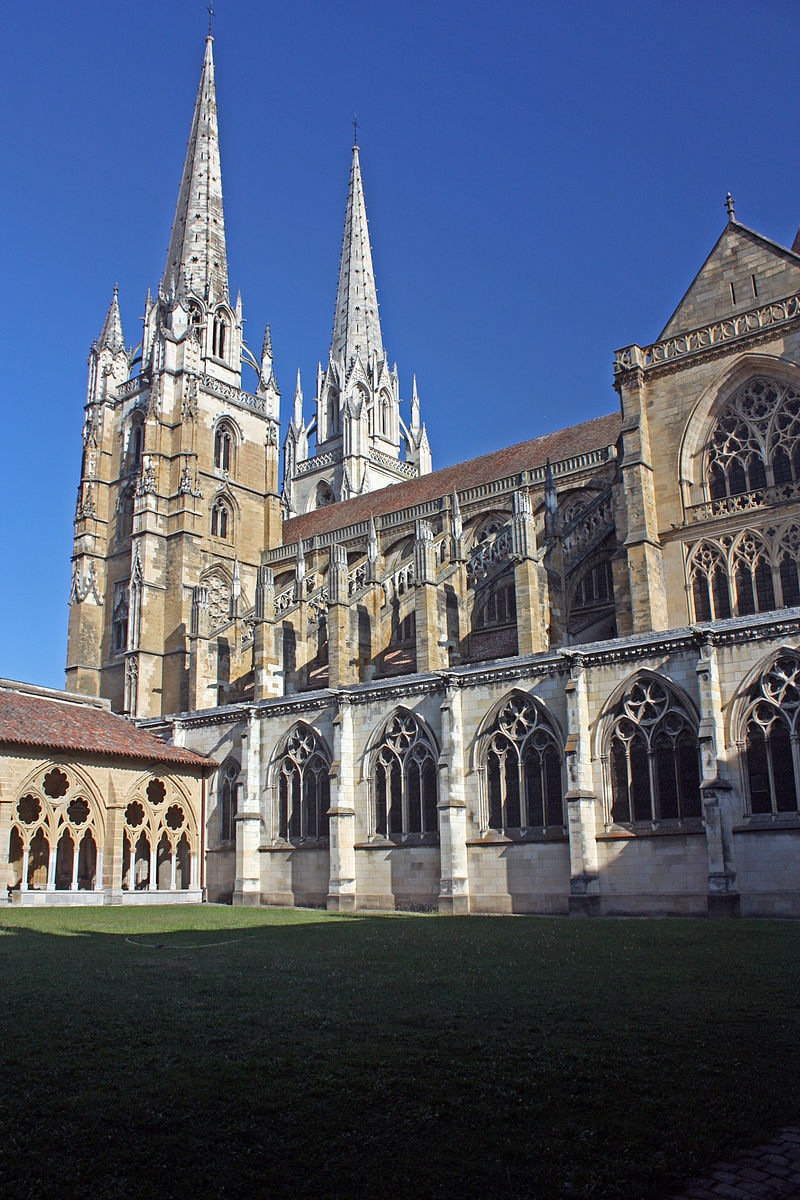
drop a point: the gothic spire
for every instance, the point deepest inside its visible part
(112, 328)
(356, 324)
(196, 261)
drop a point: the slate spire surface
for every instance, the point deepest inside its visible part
(356, 324)
(197, 261)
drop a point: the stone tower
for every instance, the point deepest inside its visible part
(358, 427)
(179, 480)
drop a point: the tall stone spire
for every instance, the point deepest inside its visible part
(197, 260)
(356, 324)
(111, 336)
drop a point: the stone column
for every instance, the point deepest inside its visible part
(581, 801)
(247, 822)
(430, 652)
(723, 898)
(454, 873)
(51, 867)
(342, 814)
(529, 579)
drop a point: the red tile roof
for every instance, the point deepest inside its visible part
(28, 719)
(564, 443)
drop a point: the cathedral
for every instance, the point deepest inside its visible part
(562, 677)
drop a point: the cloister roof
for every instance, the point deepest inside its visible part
(53, 721)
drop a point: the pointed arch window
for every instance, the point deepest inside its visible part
(522, 767)
(708, 579)
(119, 620)
(219, 338)
(224, 447)
(404, 780)
(653, 757)
(222, 519)
(227, 800)
(770, 740)
(755, 443)
(56, 836)
(159, 842)
(303, 785)
(333, 412)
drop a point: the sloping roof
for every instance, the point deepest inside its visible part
(48, 722)
(564, 443)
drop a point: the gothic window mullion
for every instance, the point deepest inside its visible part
(770, 770)
(651, 770)
(794, 741)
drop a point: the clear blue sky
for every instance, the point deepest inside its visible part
(542, 181)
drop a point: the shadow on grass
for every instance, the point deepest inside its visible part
(249, 1052)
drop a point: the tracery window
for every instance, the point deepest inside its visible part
(226, 800)
(653, 757)
(303, 774)
(224, 444)
(754, 571)
(755, 443)
(56, 836)
(158, 840)
(522, 760)
(221, 519)
(404, 779)
(770, 742)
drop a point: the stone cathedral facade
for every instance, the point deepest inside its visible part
(563, 677)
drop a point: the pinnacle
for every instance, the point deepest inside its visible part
(111, 335)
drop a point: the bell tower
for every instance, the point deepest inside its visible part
(179, 485)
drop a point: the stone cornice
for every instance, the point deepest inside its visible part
(710, 341)
(764, 626)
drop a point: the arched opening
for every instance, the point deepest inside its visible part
(522, 763)
(404, 780)
(653, 757)
(303, 776)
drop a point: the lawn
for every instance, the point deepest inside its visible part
(222, 1052)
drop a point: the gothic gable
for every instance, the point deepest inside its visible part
(743, 271)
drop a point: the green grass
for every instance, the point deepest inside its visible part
(253, 1053)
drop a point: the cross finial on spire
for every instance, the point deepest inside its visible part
(355, 131)
(729, 203)
(210, 17)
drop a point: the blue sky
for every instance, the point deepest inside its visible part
(542, 183)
